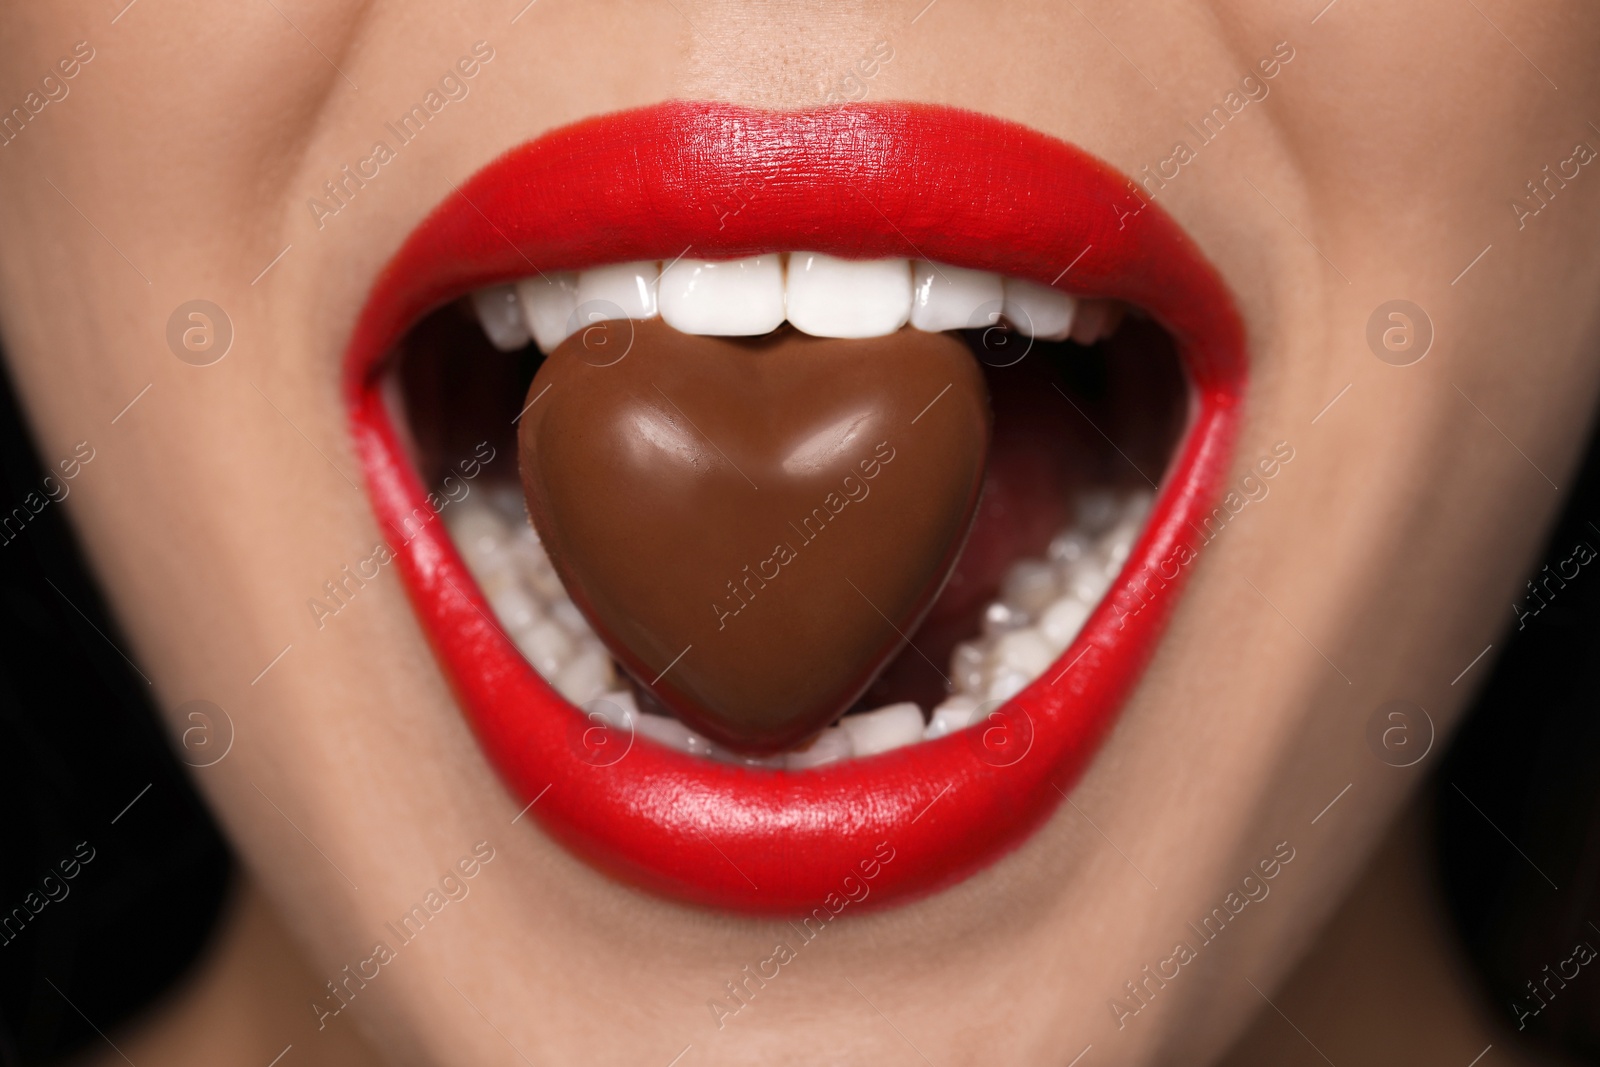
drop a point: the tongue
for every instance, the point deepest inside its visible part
(752, 526)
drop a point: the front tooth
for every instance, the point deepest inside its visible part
(878, 731)
(1038, 310)
(831, 297)
(1117, 542)
(546, 646)
(616, 709)
(618, 291)
(969, 667)
(501, 317)
(1025, 652)
(1090, 324)
(723, 298)
(588, 675)
(515, 609)
(548, 301)
(956, 713)
(673, 734)
(953, 298)
(1061, 621)
(830, 746)
(480, 535)
(1007, 682)
(1089, 578)
(664, 731)
(1030, 586)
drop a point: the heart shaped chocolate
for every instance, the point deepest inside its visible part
(753, 526)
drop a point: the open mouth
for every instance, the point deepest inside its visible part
(1058, 512)
(1100, 362)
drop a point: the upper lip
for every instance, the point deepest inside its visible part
(717, 181)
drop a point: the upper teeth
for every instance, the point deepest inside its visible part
(818, 294)
(735, 296)
(828, 297)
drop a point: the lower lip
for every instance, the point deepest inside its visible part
(876, 181)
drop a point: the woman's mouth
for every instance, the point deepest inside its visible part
(1113, 361)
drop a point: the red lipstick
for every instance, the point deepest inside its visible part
(865, 181)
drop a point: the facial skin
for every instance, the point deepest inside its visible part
(1384, 159)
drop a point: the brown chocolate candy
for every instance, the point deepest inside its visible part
(753, 525)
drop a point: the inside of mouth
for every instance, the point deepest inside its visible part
(1083, 432)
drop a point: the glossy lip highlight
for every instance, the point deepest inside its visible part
(864, 181)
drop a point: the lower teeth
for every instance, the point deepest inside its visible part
(1042, 606)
